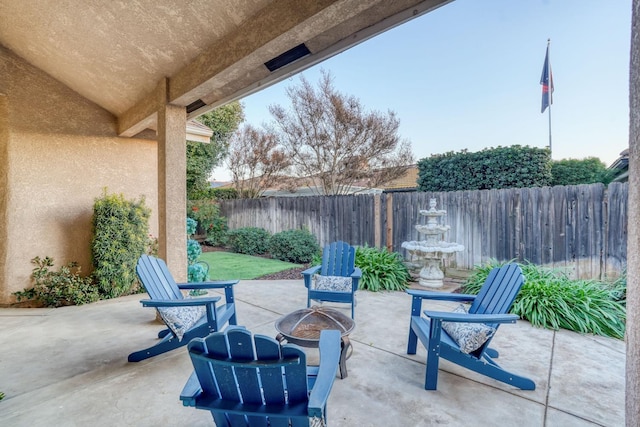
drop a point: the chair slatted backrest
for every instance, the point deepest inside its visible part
(338, 259)
(499, 291)
(232, 370)
(156, 279)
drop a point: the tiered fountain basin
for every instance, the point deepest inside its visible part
(429, 253)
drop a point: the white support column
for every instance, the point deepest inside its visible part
(172, 189)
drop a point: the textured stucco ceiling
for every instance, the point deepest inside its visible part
(124, 55)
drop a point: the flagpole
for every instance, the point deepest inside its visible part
(550, 93)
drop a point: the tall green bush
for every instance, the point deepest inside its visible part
(296, 246)
(120, 236)
(501, 167)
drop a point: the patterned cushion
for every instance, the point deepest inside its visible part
(181, 319)
(332, 283)
(469, 336)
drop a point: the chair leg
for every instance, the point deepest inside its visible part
(433, 355)
(168, 343)
(413, 341)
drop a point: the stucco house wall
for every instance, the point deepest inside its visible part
(58, 151)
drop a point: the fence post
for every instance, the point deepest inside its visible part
(377, 237)
(390, 222)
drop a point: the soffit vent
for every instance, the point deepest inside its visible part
(288, 57)
(195, 105)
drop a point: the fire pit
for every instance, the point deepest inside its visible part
(302, 327)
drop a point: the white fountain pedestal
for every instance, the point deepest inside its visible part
(430, 275)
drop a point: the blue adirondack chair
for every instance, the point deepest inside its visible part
(185, 317)
(253, 381)
(488, 310)
(337, 279)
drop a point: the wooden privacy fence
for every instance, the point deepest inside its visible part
(580, 228)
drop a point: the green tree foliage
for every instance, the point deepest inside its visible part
(203, 158)
(501, 167)
(120, 236)
(585, 171)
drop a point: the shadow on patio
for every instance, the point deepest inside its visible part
(68, 367)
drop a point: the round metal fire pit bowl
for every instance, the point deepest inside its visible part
(303, 327)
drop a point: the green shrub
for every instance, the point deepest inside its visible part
(120, 229)
(584, 171)
(551, 300)
(296, 246)
(59, 288)
(207, 213)
(381, 270)
(248, 240)
(501, 167)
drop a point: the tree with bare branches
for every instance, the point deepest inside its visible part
(334, 144)
(254, 160)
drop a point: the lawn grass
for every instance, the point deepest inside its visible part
(229, 265)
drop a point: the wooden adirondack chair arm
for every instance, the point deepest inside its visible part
(191, 391)
(441, 296)
(329, 358)
(447, 316)
(216, 284)
(357, 273)
(180, 303)
(308, 274)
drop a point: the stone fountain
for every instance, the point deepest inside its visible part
(429, 254)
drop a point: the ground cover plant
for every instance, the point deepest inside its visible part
(550, 299)
(228, 266)
(381, 270)
(58, 288)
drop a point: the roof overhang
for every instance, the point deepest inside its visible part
(133, 58)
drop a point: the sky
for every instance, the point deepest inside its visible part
(467, 76)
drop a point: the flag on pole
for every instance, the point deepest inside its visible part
(546, 80)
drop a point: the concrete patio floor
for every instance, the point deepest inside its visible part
(68, 367)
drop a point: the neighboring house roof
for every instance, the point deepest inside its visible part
(621, 167)
(198, 132)
(221, 184)
(305, 186)
(408, 181)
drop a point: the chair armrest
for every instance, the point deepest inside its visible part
(311, 271)
(329, 358)
(217, 284)
(357, 273)
(442, 296)
(308, 274)
(180, 302)
(191, 391)
(447, 316)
